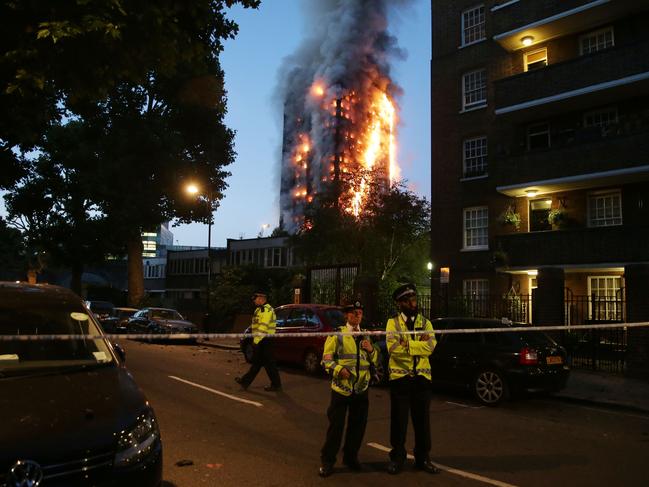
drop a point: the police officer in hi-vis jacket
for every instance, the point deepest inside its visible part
(347, 359)
(263, 321)
(410, 379)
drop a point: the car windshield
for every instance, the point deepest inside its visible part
(166, 314)
(32, 318)
(123, 313)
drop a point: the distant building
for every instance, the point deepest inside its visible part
(262, 251)
(186, 277)
(156, 242)
(540, 167)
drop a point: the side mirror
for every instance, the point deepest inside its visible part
(120, 351)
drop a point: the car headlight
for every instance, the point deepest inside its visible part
(136, 442)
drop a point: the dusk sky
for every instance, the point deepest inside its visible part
(251, 63)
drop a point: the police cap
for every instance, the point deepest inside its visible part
(404, 291)
(350, 308)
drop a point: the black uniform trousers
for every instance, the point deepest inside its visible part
(358, 407)
(410, 395)
(263, 357)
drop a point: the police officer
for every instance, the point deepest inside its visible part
(263, 321)
(410, 378)
(347, 359)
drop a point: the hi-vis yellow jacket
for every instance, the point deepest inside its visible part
(341, 352)
(263, 321)
(411, 359)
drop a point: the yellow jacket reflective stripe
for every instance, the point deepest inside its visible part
(404, 348)
(340, 352)
(263, 321)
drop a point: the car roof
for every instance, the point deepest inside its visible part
(162, 309)
(23, 293)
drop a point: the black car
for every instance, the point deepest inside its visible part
(101, 309)
(161, 321)
(71, 412)
(117, 320)
(493, 366)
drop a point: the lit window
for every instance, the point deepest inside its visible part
(605, 298)
(605, 209)
(538, 136)
(474, 89)
(476, 231)
(475, 157)
(473, 25)
(536, 59)
(596, 41)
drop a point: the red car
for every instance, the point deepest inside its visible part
(301, 318)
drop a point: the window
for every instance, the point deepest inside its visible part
(603, 119)
(474, 89)
(596, 41)
(605, 209)
(538, 136)
(539, 213)
(605, 298)
(536, 59)
(473, 25)
(475, 157)
(475, 287)
(476, 221)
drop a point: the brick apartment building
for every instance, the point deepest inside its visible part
(540, 153)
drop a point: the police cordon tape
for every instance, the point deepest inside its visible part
(364, 333)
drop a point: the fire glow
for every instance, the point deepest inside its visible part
(340, 113)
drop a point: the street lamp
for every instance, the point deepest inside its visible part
(195, 190)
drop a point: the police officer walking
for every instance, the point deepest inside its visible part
(263, 322)
(347, 359)
(410, 380)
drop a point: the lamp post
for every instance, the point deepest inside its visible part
(194, 190)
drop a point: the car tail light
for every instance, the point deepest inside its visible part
(528, 356)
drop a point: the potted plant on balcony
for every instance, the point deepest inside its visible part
(557, 218)
(510, 217)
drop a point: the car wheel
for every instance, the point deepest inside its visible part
(311, 362)
(490, 387)
(248, 350)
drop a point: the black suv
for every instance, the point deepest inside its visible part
(495, 365)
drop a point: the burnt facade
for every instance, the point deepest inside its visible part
(540, 164)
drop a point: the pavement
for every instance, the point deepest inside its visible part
(584, 386)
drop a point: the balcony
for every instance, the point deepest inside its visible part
(587, 159)
(606, 74)
(582, 246)
(546, 19)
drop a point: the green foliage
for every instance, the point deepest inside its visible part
(233, 288)
(511, 217)
(391, 239)
(13, 258)
(557, 217)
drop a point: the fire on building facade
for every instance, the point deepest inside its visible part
(340, 113)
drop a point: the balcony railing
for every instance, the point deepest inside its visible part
(577, 152)
(562, 78)
(524, 13)
(575, 246)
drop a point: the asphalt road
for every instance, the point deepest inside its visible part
(229, 437)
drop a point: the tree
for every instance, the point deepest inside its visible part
(13, 258)
(143, 75)
(53, 203)
(390, 239)
(67, 55)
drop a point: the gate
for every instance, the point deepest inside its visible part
(331, 284)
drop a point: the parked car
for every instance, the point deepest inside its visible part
(117, 320)
(161, 321)
(300, 318)
(71, 412)
(494, 366)
(101, 309)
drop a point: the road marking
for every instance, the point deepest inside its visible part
(452, 470)
(464, 405)
(218, 393)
